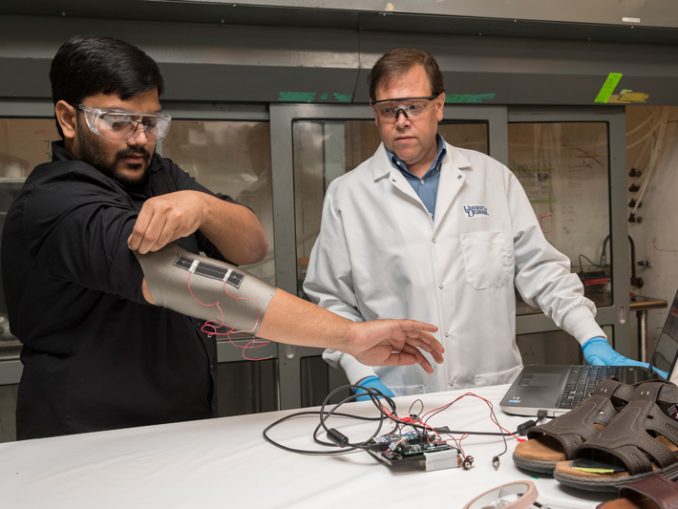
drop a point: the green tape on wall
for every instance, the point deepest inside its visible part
(297, 97)
(309, 97)
(342, 98)
(469, 98)
(608, 87)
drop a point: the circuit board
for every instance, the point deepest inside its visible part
(414, 450)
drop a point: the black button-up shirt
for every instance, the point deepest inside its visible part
(96, 356)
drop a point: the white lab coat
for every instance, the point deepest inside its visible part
(379, 254)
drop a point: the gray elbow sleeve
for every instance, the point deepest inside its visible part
(205, 288)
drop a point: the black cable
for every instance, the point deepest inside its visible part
(409, 411)
(341, 442)
(324, 415)
(591, 262)
(335, 434)
(374, 395)
(603, 257)
(314, 413)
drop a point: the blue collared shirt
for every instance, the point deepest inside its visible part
(426, 187)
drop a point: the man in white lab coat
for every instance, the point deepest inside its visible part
(432, 232)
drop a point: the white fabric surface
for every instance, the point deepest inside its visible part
(379, 254)
(225, 462)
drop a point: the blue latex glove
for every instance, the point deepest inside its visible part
(372, 382)
(598, 352)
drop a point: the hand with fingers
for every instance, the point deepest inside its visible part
(598, 352)
(394, 342)
(166, 218)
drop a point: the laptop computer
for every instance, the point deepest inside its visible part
(558, 388)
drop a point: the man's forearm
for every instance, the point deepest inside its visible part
(292, 320)
(376, 343)
(234, 230)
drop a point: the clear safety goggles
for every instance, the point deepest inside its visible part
(119, 125)
(412, 107)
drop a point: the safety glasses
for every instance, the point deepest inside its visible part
(118, 125)
(412, 107)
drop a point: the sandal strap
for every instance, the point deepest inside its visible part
(626, 437)
(657, 488)
(572, 429)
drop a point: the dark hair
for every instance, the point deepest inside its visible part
(88, 65)
(400, 60)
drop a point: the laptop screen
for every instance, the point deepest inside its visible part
(666, 354)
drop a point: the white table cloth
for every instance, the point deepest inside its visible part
(225, 462)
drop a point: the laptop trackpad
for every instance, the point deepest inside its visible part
(541, 380)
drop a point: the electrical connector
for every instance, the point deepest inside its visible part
(337, 437)
(522, 428)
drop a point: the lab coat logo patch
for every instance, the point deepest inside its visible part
(475, 210)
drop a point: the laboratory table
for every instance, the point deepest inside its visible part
(225, 462)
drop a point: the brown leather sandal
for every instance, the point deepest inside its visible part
(641, 440)
(557, 440)
(652, 492)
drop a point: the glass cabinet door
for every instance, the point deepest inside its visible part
(24, 143)
(564, 168)
(572, 165)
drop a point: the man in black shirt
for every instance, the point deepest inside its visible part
(97, 355)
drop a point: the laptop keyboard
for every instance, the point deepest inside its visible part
(582, 381)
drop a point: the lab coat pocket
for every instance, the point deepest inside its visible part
(487, 260)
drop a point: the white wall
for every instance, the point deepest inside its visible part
(652, 141)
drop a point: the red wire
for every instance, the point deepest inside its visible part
(493, 417)
(212, 327)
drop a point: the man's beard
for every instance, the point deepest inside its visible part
(93, 152)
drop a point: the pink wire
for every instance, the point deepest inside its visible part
(212, 327)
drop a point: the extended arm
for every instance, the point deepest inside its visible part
(216, 291)
(377, 343)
